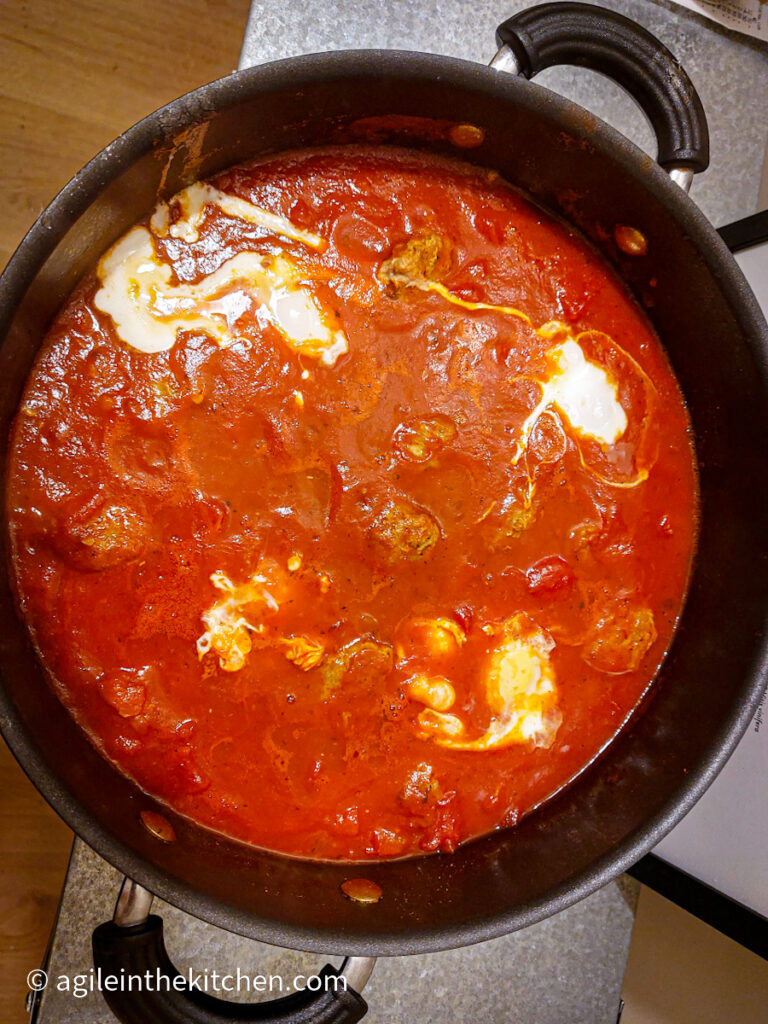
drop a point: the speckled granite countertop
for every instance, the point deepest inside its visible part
(729, 70)
(568, 968)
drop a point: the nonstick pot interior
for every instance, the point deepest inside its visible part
(711, 680)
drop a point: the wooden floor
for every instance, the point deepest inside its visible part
(73, 76)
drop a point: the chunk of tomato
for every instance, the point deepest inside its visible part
(548, 574)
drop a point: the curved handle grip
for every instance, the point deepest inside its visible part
(167, 998)
(596, 38)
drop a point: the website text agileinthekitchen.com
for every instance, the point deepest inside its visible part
(213, 982)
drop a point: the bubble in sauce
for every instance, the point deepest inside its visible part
(467, 136)
(158, 826)
(362, 890)
(630, 240)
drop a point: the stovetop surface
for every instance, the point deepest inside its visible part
(729, 70)
(568, 968)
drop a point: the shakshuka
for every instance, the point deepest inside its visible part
(352, 503)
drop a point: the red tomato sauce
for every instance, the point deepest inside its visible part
(392, 495)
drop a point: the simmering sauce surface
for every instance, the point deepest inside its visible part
(352, 503)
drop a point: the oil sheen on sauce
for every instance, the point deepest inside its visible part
(352, 503)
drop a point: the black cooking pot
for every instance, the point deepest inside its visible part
(717, 341)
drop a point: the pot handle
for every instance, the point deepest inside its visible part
(596, 38)
(132, 946)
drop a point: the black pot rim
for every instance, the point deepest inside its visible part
(74, 199)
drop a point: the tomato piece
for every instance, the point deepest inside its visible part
(548, 574)
(445, 833)
(348, 822)
(492, 223)
(124, 693)
(386, 843)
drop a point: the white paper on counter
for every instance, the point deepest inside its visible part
(749, 16)
(723, 841)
